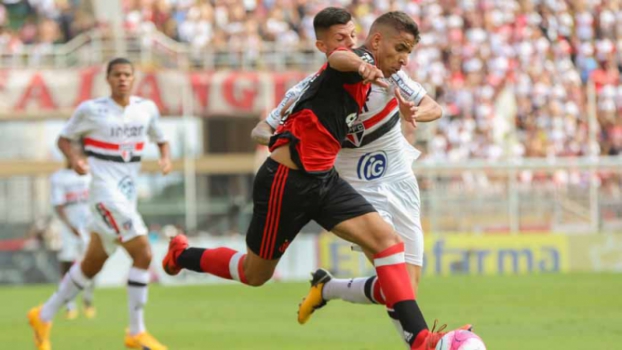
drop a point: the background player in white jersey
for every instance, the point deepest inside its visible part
(113, 131)
(377, 161)
(69, 197)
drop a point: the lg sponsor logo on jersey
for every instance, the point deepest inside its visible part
(373, 165)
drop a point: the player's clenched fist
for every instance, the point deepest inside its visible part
(371, 74)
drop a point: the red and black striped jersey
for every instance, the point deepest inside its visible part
(318, 121)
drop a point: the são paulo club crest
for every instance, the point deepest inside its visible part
(356, 133)
(372, 165)
(127, 151)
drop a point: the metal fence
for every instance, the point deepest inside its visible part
(530, 196)
(155, 49)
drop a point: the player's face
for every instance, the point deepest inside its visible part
(393, 50)
(339, 35)
(121, 79)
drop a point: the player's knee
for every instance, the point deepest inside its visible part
(393, 239)
(143, 260)
(384, 241)
(257, 281)
(91, 266)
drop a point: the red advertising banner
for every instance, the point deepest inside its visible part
(55, 93)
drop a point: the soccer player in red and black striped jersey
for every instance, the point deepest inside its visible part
(298, 183)
(375, 159)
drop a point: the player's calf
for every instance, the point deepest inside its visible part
(223, 262)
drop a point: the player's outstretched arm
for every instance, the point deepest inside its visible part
(414, 94)
(262, 132)
(428, 110)
(78, 163)
(265, 128)
(348, 61)
(165, 158)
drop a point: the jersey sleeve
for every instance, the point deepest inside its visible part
(366, 56)
(79, 123)
(155, 129)
(274, 118)
(57, 190)
(410, 89)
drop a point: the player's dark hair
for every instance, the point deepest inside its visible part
(118, 60)
(329, 17)
(399, 21)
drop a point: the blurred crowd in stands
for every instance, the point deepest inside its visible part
(503, 69)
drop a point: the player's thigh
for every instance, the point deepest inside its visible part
(282, 199)
(369, 231)
(350, 216)
(95, 256)
(404, 206)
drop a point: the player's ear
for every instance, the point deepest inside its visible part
(375, 40)
(319, 44)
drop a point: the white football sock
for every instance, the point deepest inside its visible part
(351, 290)
(87, 294)
(71, 305)
(400, 330)
(137, 282)
(69, 287)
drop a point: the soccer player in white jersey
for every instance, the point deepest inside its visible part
(113, 131)
(377, 161)
(69, 196)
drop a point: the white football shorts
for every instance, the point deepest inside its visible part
(72, 247)
(398, 203)
(115, 223)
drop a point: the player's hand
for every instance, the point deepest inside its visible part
(80, 166)
(371, 74)
(408, 110)
(165, 165)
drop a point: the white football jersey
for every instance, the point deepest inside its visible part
(114, 139)
(375, 147)
(71, 191)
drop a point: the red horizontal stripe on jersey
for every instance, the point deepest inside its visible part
(110, 146)
(381, 115)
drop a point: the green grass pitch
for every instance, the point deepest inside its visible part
(548, 312)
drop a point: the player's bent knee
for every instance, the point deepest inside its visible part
(257, 277)
(257, 280)
(384, 241)
(147, 256)
(91, 266)
(143, 260)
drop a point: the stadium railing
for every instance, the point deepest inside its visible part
(156, 49)
(564, 195)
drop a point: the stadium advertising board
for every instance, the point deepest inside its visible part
(596, 253)
(464, 254)
(28, 93)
